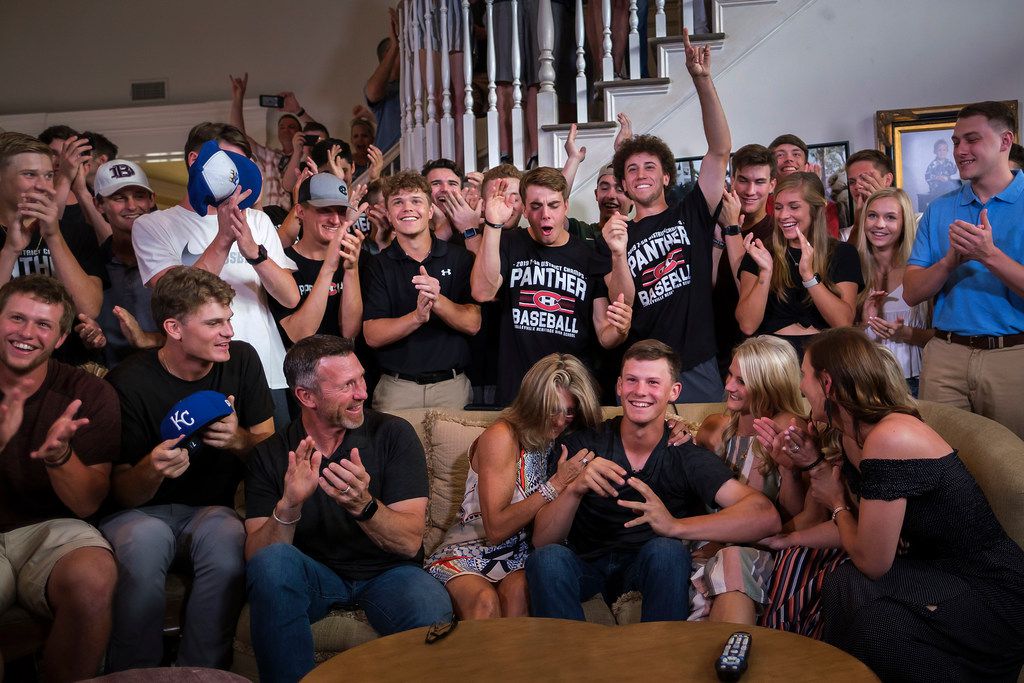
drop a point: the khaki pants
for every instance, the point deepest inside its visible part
(986, 382)
(28, 555)
(399, 394)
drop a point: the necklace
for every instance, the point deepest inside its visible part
(789, 253)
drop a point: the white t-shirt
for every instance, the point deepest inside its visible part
(179, 236)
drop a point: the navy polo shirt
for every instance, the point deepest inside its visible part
(388, 292)
(974, 301)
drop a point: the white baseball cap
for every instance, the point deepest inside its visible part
(117, 174)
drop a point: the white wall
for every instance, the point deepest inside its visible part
(67, 55)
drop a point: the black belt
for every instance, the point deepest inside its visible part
(982, 341)
(426, 377)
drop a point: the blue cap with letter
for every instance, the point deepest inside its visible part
(189, 416)
(214, 175)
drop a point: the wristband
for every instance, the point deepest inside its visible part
(548, 491)
(277, 519)
(821, 459)
(815, 280)
(717, 243)
(493, 225)
(840, 509)
(59, 461)
(368, 512)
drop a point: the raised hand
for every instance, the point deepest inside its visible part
(461, 214)
(625, 130)
(620, 315)
(865, 185)
(568, 469)
(471, 192)
(698, 59)
(238, 224)
(90, 332)
(303, 473)
(291, 104)
(730, 213)
(347, 482)
(351, 246)
(806, 265)
(168, 460)
(376, 162)
(651, 511)
(38, 211)
(73, 156)
(762, 257)
(616, 234)
(572, 152)
(131, 329)
(498, 206)
(238, 86)
(679, 433)
(58, 439)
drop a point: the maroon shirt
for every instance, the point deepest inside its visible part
(26, 495)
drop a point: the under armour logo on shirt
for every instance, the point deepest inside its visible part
(446, 271)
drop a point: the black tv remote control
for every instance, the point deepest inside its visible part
(733, 660)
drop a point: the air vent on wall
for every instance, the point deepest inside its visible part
(143, 91)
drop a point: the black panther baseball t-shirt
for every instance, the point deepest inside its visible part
(547, 296)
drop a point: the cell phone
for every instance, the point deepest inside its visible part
(310, 140)
(272, 101)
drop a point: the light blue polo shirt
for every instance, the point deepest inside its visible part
(973, 300)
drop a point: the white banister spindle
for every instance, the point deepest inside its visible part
(518, 156)
(468, 119)
(417, 89)
(431, 94)
(493, 152)
(607, 64)
(582, 103)
(634, 41)
(660, 25)
(547, 99)
(403, 89)
(447, 122)
(408, 153)
(687, 11)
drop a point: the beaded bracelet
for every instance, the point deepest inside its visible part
(838, 510)
(548, 491)
(281, 521)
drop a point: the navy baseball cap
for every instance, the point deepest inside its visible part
(216, 173)
(191, 415)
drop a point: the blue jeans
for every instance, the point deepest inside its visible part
(560, 581)
(288, 591)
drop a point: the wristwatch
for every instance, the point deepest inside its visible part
(815, 280)
(730, 230)
(368, 512)
(470, 232)
(261, 256)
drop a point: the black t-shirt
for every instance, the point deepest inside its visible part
(388, 292)
(148, 391)
(686, 478)
(392, 456)
(726, 296)
(37, 260)
(843, 266)
(669, 256)
(583, 230)
(547, 296)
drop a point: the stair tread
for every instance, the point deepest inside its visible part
(590, 125)
(695, 38)
(602, 85)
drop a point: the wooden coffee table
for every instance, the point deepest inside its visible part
(530, 649)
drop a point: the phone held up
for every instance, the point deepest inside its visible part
(271, 101)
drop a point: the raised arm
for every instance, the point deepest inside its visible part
(716, 127)
(79, 486)
(377, 84)
(486, 280)
(574, 156)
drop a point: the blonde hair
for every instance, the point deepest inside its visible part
(905, 244)
(811, 191)
(771, 373)
(529, 416)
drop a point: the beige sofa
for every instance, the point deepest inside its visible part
(994, 455)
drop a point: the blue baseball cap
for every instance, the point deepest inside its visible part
(216, 173)
(191, 415)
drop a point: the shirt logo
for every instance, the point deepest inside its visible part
(547, 300)
(446, 271)
(655, 273)
(187, 257)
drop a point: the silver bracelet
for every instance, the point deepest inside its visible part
(548, 491)
(277, 519)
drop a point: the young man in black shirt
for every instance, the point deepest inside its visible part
(417, 307)
(669, 250)
(327, 264)
(555, 290)
(336, 500)
(625, 516)
(181, 502)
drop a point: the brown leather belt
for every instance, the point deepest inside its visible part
(981, 341)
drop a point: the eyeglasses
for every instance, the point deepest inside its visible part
(569, 413)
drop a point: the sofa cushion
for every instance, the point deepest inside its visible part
(447, 439)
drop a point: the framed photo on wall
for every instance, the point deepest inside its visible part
(918, 142)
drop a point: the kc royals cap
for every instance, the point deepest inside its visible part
(191, 415)
(216, 173)
(323, 189)
(117, 174)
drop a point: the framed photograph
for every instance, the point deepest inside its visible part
(830, 157)
(687, 172)
(918, 142)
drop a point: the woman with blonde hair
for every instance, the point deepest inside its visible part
(885, 237)
(950, 604)
(804, 281)
(481, 558)
(763, 382)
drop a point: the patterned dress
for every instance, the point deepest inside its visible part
(735, 567)
(465, 550)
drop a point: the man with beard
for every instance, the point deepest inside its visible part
(337, 500)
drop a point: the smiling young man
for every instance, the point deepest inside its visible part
(417, 306)
(59, 427)
(968, 255)
(791, 154)
(669, 250)
(251, 261)
(619, 525)
(557, 294)
(335, 510)
(180, 504)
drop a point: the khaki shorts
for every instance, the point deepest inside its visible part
(28, 555)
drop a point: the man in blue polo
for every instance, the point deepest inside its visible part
(968, 255)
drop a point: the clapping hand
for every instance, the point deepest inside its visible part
(58, 438)
(347, 482)
(303, 473)
(973, 241)
(498, 205)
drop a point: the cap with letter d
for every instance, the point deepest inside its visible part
(215, 174)
(191, 415)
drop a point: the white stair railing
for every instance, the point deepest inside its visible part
(468, 118)
(447, 122)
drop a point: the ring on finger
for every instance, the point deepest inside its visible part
(585, 461)
(346, 489)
